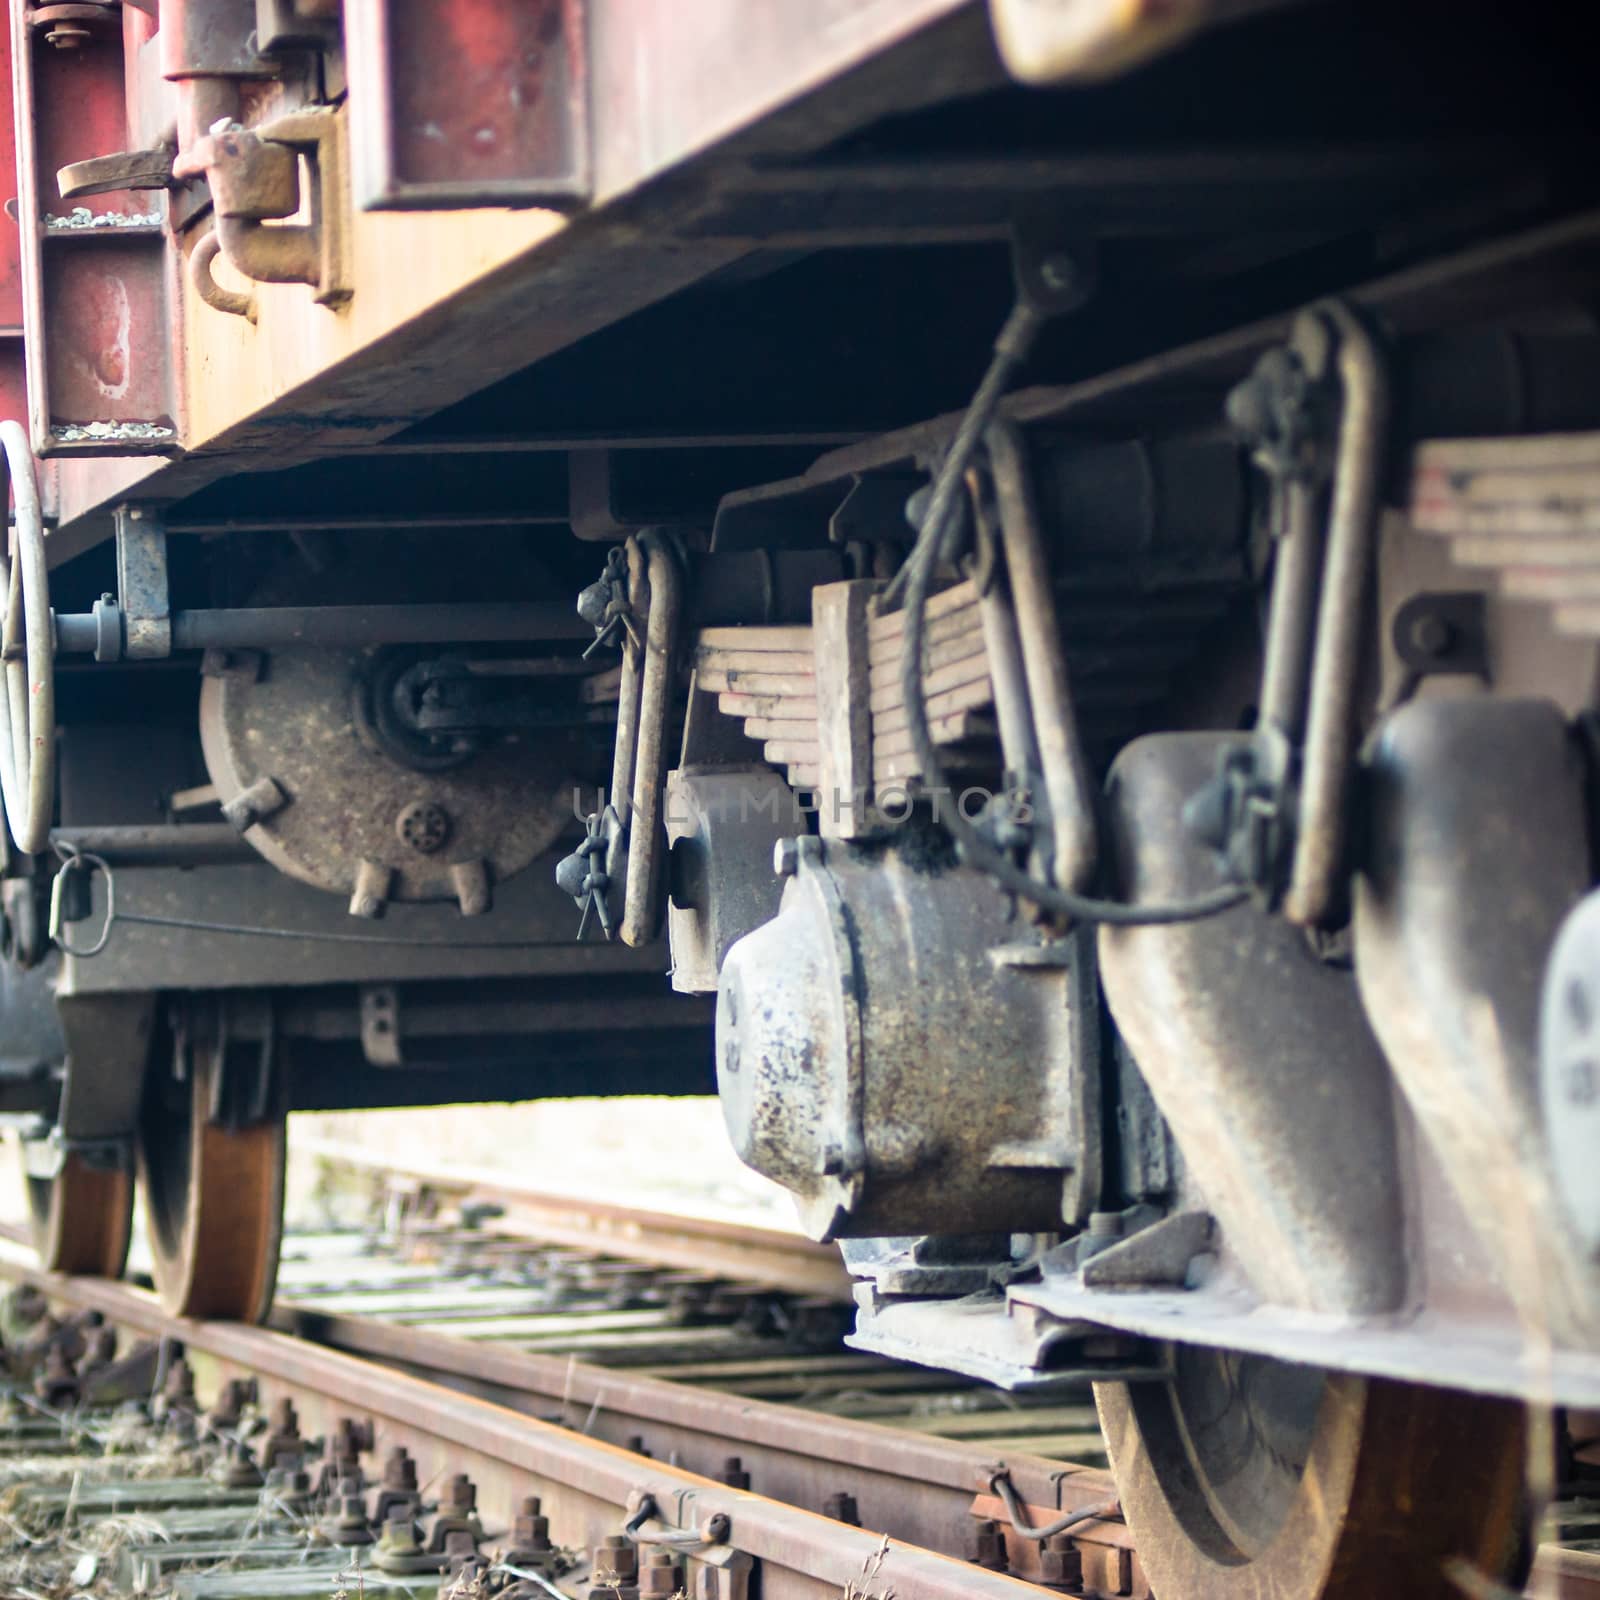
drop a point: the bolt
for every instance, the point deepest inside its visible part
(1061, 1564)
(1431, 635)
(658, 1577)
(530, 1534)
(234, 1395)
(351, 1438)
(734, 1475)
(424, 826)
(179, 1384)
(399, 1470)
(842, 1508)
(786, 857)
(614, 1567)
(460, 1495)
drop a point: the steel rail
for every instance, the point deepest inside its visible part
(588, 1487)
(920, 1488)
(738, 1250)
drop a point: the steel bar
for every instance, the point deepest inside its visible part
(186, 845)
(1341, 621)
(273, 627)
(641, 908)
(265, 627)
(1291, 622)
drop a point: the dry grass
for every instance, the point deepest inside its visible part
(862, 1588)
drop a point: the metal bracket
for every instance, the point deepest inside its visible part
(264, 798)
(1441, 635)
(254, 177)
(380, 1024)
(142, 583)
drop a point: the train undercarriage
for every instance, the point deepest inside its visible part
(1011, 588)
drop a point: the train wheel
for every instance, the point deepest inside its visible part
(213, 1195)
(81, 1218)
(1250, 1479)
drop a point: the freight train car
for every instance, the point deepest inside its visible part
(1012, 586)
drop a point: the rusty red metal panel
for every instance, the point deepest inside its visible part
(10, 243)
(104, 353)
(468, 102)
(13, 378)
(94, 270)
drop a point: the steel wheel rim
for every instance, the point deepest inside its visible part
(213, 1201)
(81, 1219)
(1399, 1483)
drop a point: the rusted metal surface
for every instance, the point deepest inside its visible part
(462, 105)
(95, 293)
(254, 178)
(212, 1144)
(919, 1487)
(81, 1216)
(344, 795)
(844, 1048)
(13, 371)
(1373, 1448)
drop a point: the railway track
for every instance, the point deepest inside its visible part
(602, 1373)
